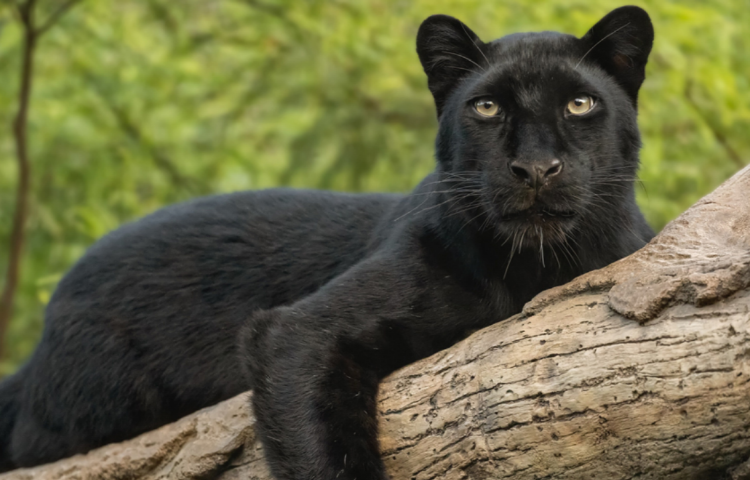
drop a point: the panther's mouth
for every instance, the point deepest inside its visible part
(537, 226)
(540, 213)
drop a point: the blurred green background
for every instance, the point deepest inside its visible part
(142, 103)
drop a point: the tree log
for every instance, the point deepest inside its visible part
(638, 370)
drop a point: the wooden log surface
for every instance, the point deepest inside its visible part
(638, 370)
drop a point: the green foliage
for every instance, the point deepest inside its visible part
(141, 103)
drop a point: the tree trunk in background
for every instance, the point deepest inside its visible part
(638, 370)
(20, 127)
(31, 36)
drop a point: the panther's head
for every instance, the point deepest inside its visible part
(538, 134)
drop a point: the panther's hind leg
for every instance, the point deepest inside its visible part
(33, 444)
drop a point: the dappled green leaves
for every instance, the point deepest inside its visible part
(141, 103)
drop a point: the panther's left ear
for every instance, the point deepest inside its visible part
(620, 43)
(448, 50)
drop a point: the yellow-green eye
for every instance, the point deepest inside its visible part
(486, 107)
(581, 105)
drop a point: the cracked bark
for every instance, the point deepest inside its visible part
(638, 370)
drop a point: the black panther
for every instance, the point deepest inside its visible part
(311, 298)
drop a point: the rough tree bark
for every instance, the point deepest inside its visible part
(638, 370)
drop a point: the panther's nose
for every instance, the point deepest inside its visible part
(536, 174)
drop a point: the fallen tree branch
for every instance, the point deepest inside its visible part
(638, 370)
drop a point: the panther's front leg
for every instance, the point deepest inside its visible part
(315, 366)
(314, 400)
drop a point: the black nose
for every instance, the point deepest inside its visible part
(536, 174)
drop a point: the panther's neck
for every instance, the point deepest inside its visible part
(462, 240)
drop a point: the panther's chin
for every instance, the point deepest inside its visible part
(537, 225)
(539, 214)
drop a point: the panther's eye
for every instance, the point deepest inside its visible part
(486, 107)
(581, 105)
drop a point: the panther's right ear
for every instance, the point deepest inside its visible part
(448, 50)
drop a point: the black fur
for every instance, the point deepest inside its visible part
(10, 390)
(331, 292)
(143, 330)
